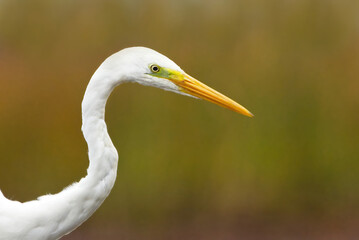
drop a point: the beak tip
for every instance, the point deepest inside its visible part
(245, 112)
(249, 114)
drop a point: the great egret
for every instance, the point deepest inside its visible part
(53, 216)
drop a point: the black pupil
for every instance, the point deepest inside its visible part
(155, 68)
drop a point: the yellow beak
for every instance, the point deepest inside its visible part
(194, 87)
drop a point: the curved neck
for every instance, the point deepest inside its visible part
(59, 214)
(83, 198)
(102, 153)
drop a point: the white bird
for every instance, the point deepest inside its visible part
(53, 216)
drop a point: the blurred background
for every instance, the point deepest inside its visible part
(189, 169)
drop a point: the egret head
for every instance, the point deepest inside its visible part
(150, 68)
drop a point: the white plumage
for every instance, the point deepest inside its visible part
(53, 216)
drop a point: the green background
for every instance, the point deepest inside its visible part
(189, 169)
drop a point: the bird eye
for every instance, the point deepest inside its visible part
(155, 68)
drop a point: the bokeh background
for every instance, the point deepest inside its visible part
(189, 169)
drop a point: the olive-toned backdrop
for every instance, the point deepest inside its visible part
(189, 169)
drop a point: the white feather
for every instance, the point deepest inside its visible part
(53, 216)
